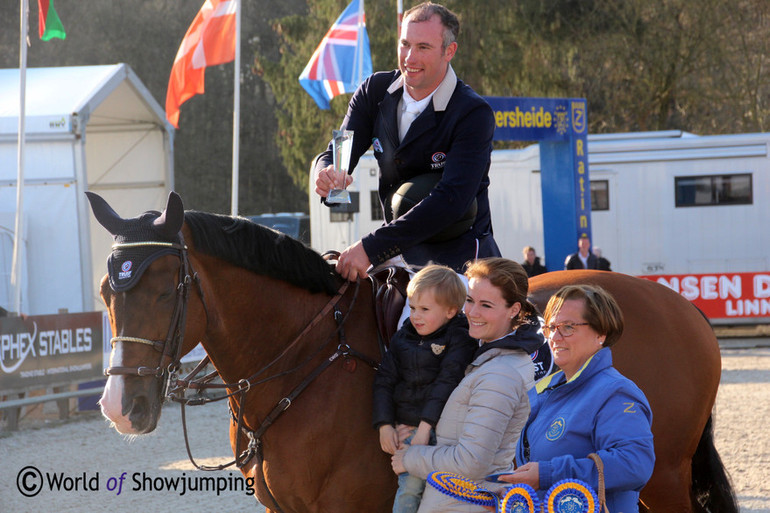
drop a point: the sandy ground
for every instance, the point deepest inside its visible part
(86, 448)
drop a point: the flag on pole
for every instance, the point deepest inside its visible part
(49, 24)
(342, 60)
(209, 41)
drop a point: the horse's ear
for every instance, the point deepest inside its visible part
(172, 219)
(104, 213)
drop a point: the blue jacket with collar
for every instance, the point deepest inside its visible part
(453, 135)
(598, 411)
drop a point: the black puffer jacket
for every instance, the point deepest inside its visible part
(418, 373)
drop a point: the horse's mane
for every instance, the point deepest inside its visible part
(261, 250)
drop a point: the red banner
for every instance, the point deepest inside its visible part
(722, 295)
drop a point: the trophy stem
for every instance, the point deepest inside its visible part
(342, 145)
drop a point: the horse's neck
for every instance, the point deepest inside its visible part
(255, 319)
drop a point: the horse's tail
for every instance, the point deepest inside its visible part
(711, 486)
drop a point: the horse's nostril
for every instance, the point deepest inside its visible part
(139, 415)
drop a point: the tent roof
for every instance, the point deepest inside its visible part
(101, 95)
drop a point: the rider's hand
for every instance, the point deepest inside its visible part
(353, 262)
(328, 179)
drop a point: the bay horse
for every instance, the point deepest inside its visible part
(295, 345)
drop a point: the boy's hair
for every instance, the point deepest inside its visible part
(447, 287)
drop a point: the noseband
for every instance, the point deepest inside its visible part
(171, 347)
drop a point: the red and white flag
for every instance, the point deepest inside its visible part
(209, 41)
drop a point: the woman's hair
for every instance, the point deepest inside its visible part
(448, 289)
(508, 276)
(601, 311)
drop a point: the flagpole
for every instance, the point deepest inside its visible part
(236, 109)
(399, 17)
(16, 265)
(360, 43)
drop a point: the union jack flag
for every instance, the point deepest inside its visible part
(342, 60)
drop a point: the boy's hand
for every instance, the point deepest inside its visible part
(422, 436)
(388, 438)
(404, 432)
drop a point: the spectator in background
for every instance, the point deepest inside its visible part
(531, 262)
(601, 263)
(583, 259)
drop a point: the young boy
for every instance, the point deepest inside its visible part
(425, 362)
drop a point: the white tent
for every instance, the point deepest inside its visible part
(91, 128)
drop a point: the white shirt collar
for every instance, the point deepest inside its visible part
(416, 105)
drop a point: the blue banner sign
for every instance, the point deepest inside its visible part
(537, 119)
(560, 125)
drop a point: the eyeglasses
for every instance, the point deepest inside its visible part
(565, 329)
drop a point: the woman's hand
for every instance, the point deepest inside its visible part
(397, 462)
(388, 438)
(529, 474)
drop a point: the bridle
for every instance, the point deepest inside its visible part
(175, 387)
(171, 347)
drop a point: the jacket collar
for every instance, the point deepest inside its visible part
(443, 92)
(600, 360)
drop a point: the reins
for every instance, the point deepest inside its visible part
(254, 447)
(241, 387)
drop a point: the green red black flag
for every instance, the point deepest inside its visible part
(49, 24)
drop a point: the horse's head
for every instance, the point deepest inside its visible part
(145, 292)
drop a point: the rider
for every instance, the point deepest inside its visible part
(451, 134)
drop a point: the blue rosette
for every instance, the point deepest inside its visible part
(461, 488)
(571, 496)
(519, 498)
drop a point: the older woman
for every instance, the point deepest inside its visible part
(477, 432)
(587, 407)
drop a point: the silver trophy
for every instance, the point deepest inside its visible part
(343, 142)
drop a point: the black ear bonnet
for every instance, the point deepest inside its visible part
(127, 262)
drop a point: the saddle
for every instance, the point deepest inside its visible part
(389, 290)
(389, 294)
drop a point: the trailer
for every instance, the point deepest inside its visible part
(664, 205)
